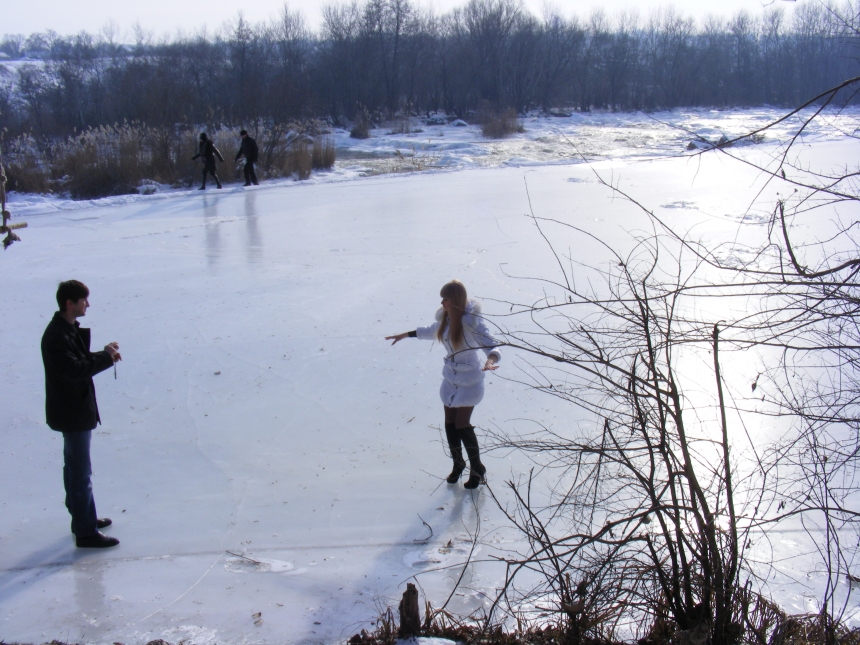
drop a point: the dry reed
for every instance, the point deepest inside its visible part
(498, 123)
(323, 153)
(132, 157)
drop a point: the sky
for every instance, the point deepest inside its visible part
(166, 17)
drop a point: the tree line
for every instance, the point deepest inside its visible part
(388, 57)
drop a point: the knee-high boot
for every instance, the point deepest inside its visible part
(476, 468)
(456, 453)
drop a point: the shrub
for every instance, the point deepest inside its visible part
(299, 159)
(498, 123)
(118, 159)
(403, 125)
(26, 170)
(98, 162)
(323, 153)
(361, 128)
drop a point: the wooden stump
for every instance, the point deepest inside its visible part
(410, 619)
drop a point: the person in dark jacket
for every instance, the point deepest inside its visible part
(248, 149)
(70, 405)
(208, 151)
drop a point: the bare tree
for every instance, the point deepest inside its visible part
(645, 533)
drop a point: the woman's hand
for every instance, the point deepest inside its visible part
(398, 337)
(490, 365)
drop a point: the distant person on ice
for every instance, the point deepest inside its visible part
(70, 405)
(462, 331)
(208, 151)
(248, 149)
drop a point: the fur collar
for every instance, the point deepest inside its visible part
(473, 309)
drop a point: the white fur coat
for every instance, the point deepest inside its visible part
(462, 377)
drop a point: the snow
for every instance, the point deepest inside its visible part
(547, 140)
(264, 450)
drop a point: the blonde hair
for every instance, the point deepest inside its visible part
(455, 292)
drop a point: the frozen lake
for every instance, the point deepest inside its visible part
(263, 449)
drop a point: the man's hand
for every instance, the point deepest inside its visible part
(112, 350)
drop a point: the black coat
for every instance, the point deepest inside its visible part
(70, 396)
(208, 151)
(248, 149)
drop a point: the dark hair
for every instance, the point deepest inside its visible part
(71, 290)
(203, 136)
(242, 133)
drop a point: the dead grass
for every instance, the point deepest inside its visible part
(132, 157)
(26, 171)
(298, 161)
(498, 123)
(806, 629)
(765, 624)
(412, 160)
(361, 127)
(323, 156)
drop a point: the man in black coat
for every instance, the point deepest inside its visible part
(208, 151)
(70, 405)
(248, 149)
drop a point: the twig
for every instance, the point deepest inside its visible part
(427, 539)
(245, 557)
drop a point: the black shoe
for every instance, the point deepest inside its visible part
(202, 188)
(248, 184)
(219, 186)
(476, 478)
(101, 523)
(96, 541)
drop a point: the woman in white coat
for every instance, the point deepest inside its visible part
(462, 331)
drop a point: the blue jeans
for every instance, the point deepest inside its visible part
(76, 478)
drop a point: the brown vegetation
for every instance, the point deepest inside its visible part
(323, 153)
(5, 226)
(498, 123)
(362, 125)
(766, 625)
(299, 160)
(119, 159)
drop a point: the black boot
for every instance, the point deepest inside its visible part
(476, 468)
(456, 453)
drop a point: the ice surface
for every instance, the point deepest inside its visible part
(264, 450)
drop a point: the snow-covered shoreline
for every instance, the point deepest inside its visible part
(547, 140)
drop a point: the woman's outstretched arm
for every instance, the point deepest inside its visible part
(398, 337)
